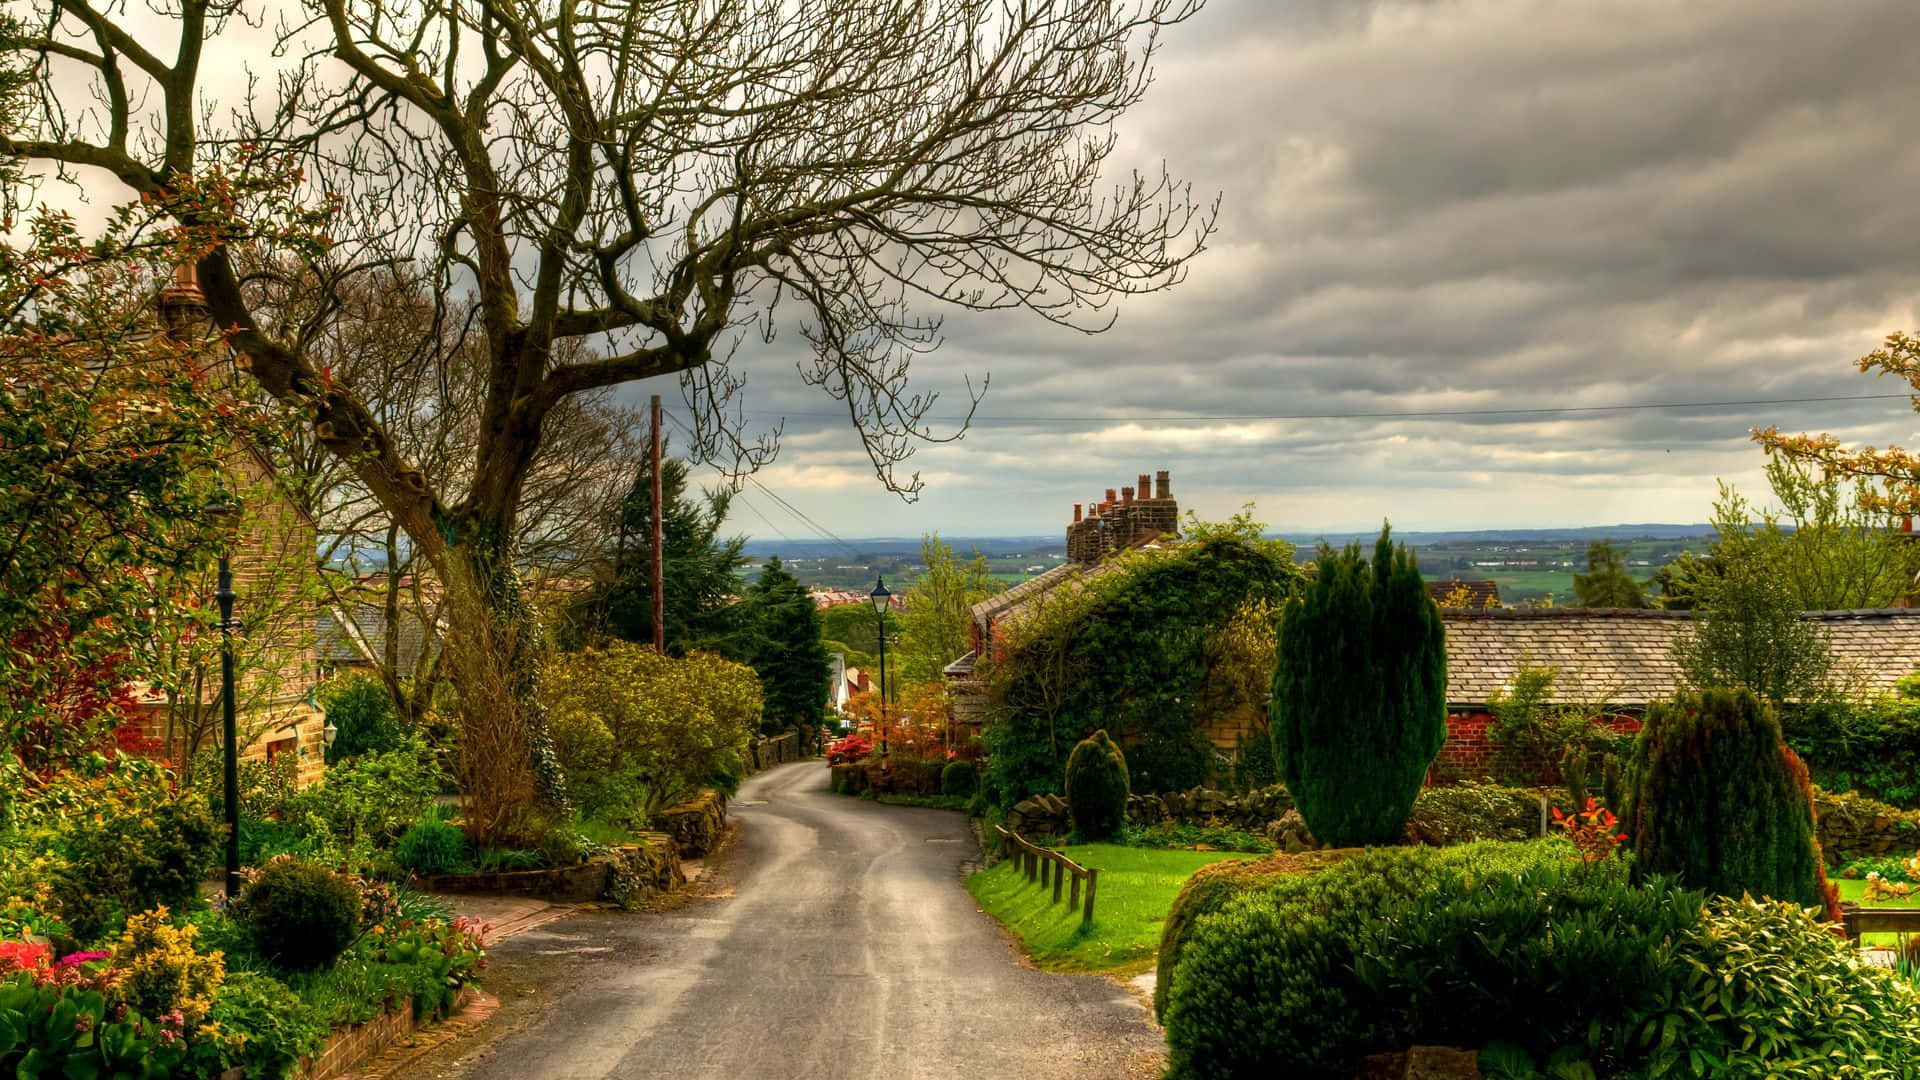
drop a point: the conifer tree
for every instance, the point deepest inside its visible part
(1359, 693)
(1718, 800)
(701, 567)
(787, 652)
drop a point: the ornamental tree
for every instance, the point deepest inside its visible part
(1360, 693)
(649, 179)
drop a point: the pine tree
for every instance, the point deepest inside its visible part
(701, 569)
(1606, 584)
(1718, 800)
(786, 651)
(1359, 694)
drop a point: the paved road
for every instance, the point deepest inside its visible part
(847, 949)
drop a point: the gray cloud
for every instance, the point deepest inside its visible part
(1481, 204)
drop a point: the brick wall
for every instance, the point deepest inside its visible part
(1125, 517)
(1469, 754)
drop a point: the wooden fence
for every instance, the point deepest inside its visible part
(1049, 867)
(1858, 920)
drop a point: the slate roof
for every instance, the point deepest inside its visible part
(1622, 657)
(337, 646)
(1476, 594)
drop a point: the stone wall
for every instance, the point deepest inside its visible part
(1853, 827)
(695, 825)
(631, 874)
(775, 750)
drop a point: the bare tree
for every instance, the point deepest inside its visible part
(654, 178)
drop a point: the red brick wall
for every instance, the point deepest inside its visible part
(1468, 754)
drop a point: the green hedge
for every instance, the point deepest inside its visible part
(1209, 890)
(1467, 812)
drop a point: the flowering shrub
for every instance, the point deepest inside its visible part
(447, 954)
(1591, 830)
(23, 956)
(1882, 888)
(160, 971)
(31, 919)
(854, 748)
(51, 1027)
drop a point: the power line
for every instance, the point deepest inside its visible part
(764, 521)
(771, 494)
(1400, 414)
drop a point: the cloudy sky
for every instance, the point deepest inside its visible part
(1463, 206)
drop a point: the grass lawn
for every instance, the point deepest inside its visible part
(1137, 886)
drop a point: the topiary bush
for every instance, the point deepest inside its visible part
(433, 847)
(1466, 812)
(959, 779)
(1359, 694)
(1719, 801)
(299, 916)
(1209, 890)
(1097, 787)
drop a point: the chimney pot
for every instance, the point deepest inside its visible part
(1126, 495)
(1076, 513)
(1163, 485)
(1144, 487)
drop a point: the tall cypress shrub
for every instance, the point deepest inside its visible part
(1718, 800)
(1360, 693)
(1097, 786)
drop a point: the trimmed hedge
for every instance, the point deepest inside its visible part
(299, 916)
(1097, 787)
(1210, 889)
(1467, 812)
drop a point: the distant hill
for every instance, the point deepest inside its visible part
(1536, 536)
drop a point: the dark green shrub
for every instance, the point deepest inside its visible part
(1872, 749)
(959, 779)
(1466, 812)
(131, 858)
(1719, 801)
(433, 847)
(1382, 951)
(1359, 694)
(362, 711)
(299, 916)
(1209, 890)
(1097, 787)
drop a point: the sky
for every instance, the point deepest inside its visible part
(1462, 206)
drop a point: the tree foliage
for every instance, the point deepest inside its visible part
(1142, 648)
(1718, 800)
(1748, 632)
(936, 625)
(1360, 693)
(786, 650)
(1890, 476)
(1607, 582)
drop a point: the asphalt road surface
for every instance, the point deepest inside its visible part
(847, 948)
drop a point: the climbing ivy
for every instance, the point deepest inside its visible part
(1152, 649)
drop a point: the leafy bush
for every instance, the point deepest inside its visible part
(1769, 991)
(1473, 811)
(376, 795)
(257, 1024)
(1174, 835)
(854, 748)
(1271, 977)
(444, 956)
(1097, 787)
(1718, 800)
(362, 710)
(1209, 890)
(1872, 749)
(636, 731)
(433, 847)
(71, 1029)
(133, 856)
(161, 971)
(299, 916)
(1359, 694)
(959, 779)
(1532, 735)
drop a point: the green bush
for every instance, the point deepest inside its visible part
(1270, 978)
(264, 1029)
(1359, 694)
(1465, 812)
(1209, 890)
(72, 1031)
(1719, 801)
(298, 916)
(959, 779)
(362, 711)
(1872, 749)
(433, 847)
(1097, 787)
(1770, 991)
(133, 857)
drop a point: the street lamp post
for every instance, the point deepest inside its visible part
(881, 597)
(229, 727)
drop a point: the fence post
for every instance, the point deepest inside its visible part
(1093, 880)
(1073, 893)
(1058, 873)
(1543, 817)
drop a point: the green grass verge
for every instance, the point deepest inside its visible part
(1137, 886)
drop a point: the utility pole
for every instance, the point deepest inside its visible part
(659, 541)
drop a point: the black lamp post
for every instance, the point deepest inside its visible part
(880, 597)
(229, 727)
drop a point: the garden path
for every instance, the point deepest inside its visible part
(841, 945)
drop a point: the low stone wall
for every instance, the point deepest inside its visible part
(774, 750)
(1853, 827)
(900, 777)
(1047, 815)
(630, 875)
(696, 824)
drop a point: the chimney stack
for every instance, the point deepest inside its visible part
(1126, 495)
(1144, 487)
(1111, 497)
(1076, 513)
(181, 302)
(1163, 484)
